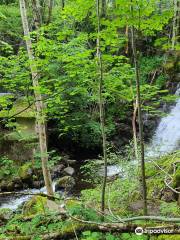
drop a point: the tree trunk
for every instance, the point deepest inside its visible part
(101, 109)
(140, 120)
(63, 4)
(40, 118)
(175, 24)
(50, 8)
(134, 129)
(37, 10)
(103, 13)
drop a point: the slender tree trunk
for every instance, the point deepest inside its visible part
(63, 4)
(101, 109)
(134, 129)
(140, 121)
(103, 13)
(175, 24)
(50, 8)
(127, 37)
(40, 118)
(37, 13)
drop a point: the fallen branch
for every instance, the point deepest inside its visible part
(29, 194)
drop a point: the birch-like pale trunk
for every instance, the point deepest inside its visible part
(101, 109)
(40, 117)
(175, 28)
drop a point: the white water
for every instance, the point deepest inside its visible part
(167, 135)
(14, 203)
(165, 140)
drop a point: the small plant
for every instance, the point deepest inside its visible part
(169, 209)
(7, 167)
(54, 158)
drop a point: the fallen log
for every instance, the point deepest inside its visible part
(117, 228)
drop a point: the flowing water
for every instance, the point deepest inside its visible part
(167, 135)
(165, 140)
(14, 202)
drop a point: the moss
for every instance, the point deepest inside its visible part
(25, 171)
(154, 185)
(35, 206)
(176, 180)
(168, 237)
(151, 170)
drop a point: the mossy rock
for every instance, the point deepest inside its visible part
(5, 215)
(26, 171)
(66, 182)
(35, 206)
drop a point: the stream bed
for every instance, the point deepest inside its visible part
(165, 140)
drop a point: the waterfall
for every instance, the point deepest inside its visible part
(167, 135)
(165, 140)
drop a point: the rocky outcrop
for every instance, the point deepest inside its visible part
(69, 171)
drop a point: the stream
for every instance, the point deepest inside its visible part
(165, 140)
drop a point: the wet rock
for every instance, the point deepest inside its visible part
(69, 171)
(66, 182)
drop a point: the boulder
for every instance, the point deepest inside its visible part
(25, 172)
(66, 182)
(57, 170)
(69, 171)
(39, 204)
(34, 206)
(54, 207)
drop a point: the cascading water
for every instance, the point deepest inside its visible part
(167, 135)
(15, 202)
(165, 140)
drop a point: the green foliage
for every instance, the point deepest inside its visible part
(54, 159)
(169, 209)
(88, 235)
(7, 168)
(84, 212)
